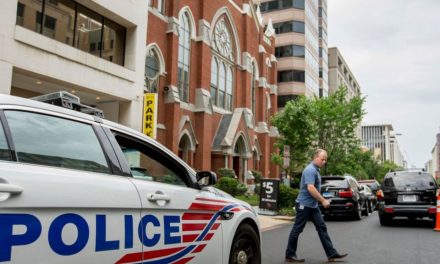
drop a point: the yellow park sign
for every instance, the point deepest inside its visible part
(149, 123)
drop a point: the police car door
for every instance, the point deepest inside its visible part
(179, 222)
(59, 202)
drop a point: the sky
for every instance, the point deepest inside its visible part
(393, 49)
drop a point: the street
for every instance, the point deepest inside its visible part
(366, 242)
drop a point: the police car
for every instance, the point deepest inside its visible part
(75, 188)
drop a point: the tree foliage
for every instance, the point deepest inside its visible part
(338, 119)
(297, 125)
(330, 123)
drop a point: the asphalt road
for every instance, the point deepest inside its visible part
(366, 242)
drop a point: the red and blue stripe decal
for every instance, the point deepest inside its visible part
(192, 221)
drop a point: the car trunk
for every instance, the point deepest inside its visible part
(334, 189)
(409, 195)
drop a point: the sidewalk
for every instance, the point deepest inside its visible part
(269, 222)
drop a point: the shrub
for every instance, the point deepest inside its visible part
(227, 184)
(226, 172)
(287, 211)
(287, 196)
(241, 189)
(257, 189)
(257, 176)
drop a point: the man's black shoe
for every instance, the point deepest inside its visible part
(337, 257)
(292, 259)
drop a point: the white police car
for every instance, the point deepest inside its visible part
(75, 188)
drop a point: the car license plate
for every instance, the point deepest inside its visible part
(327, 194)
(409, 198)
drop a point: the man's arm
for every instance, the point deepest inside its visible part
(314, 192)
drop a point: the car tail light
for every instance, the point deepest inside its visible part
(348, 193)
(432, 210)
(379, 194)
(389, 210)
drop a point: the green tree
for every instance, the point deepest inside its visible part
(338, 120)
(384, 168)
(329, 123)
(297, 126)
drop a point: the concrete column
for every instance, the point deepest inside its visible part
(5, 77)
(130, 114)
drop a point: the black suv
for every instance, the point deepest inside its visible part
(410, 194)
(345, 196)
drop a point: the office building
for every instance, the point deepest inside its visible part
(300, 51)
(93, 49)
(381, 140)
(340, 74)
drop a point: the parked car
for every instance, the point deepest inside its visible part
(76, 188)
(373, 184)
(345, 196)
(371, 198)
(411, 194)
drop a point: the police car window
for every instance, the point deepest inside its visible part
(147, 163)
(52, 141)
(4, 148)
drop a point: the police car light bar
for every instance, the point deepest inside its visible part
(70, 101)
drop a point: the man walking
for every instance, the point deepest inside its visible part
(307, 209)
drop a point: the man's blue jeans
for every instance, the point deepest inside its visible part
(302, 216)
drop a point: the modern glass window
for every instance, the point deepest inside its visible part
(73, 24)
(299, 4)
(53, 141)
(323, 54)
(184, 57)
(281, 4)
(152, 70)
(27, 11)
(291, 76)
(113, 41)
(20, 14)
(290, 51)
(49, 25)
(283, 99)
(88, 31)
(289, 26)
(322, 33)
(322, 14)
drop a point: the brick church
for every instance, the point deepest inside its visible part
(213, 68)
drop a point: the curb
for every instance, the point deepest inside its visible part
(274, 226)
(284, 217)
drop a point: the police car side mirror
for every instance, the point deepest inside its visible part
(206, 178)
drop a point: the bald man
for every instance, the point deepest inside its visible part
(307, 209)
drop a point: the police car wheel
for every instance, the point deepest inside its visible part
(245, 246)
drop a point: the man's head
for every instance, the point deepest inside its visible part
(320, 157)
